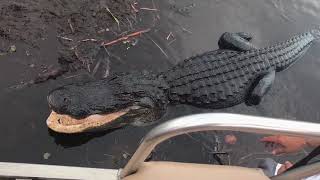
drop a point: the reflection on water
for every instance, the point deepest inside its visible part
(25, 137)
(306, 6)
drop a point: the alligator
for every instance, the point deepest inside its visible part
(237, 72)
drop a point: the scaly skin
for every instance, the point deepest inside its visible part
(215, 79)
(223, 78)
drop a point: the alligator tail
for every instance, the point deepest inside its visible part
(296, 48)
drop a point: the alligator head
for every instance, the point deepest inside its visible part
(135, 99)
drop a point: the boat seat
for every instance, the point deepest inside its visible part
(160, 170)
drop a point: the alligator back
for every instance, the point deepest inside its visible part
(223, 78)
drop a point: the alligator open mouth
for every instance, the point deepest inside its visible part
(67, 124)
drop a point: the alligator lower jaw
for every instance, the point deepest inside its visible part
(66, 124)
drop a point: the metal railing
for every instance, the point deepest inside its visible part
(219, 121)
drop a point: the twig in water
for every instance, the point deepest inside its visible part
(95, 69)
(85, 40)
(130, 24)
(72, 76)
(157, 17)
(116, 19)
(186, 30)
(171, 42)
(163, 52)
(103, 30)
(134, 8)
(107, 63)
(70, 25)
(106, 74)
(126, 153)
(184, 11)
(154, 5)
(65, 38)
(169, 35)
(134, 17)
(83, 61)
(124, 38)
(113, 55)
(109, 155)
(123, 33)
(88, 66)
(75, 50)
(149, 9)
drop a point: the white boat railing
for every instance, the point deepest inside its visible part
(178, 126)
(40, 171)
(218, 121)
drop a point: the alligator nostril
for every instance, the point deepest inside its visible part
(52, 101)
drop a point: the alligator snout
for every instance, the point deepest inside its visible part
(51, 101)
(57, 100)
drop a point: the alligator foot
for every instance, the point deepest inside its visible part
(236, 41)
(260, 88)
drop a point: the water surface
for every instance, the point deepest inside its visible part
(295, 94)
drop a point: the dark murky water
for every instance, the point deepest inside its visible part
(25, 137)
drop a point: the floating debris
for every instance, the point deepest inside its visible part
(125, 37)
(51, 74)
(187, 9)
(186, 30)
(65, 38)
(163, 52)
(70, 25)
(46, 155)
(28, 53)
(103, 30)
(169, 43)
(184, 11)
(92, 40)
(134, 8)
(12, 49)
(125, 156)
(116, 19)
(149, 9)
(169, 35)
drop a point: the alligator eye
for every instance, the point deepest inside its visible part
(146, 102)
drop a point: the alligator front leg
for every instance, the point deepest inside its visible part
(261, 87)
(236, 41)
